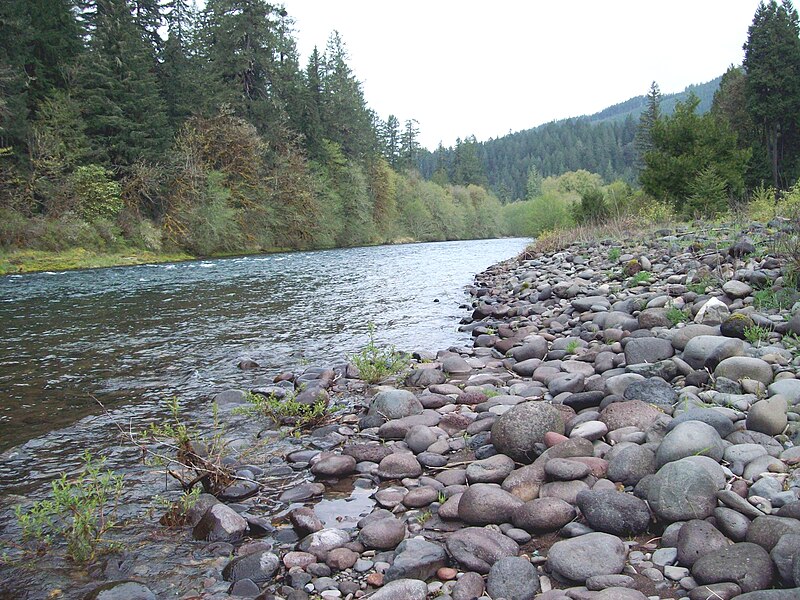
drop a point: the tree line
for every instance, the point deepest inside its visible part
(150, 123)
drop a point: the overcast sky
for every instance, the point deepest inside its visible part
(464, 67)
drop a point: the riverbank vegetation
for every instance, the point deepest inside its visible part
(212, 139)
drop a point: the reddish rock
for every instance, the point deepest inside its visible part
(375, 579)
(551, 438)
(446, 574)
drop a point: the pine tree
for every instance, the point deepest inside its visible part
(179, 74)
(409, 144)
(644, 138)
(125, 116)
(772, 64)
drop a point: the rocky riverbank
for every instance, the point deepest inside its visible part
(625, 425)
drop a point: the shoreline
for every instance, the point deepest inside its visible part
(581, 352)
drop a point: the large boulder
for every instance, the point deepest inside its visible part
(519, 432)
(486, 503)
(416, 559)
(682, 490)
(745, 564)
(478, 548)
(614, 512)
(691, 438)
(513, 577)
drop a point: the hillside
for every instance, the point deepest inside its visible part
(601, 143)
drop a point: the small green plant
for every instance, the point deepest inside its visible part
(699, 287)
(773, 299)
(176, 511)
(614, 254)
(286, 410)
(639, 278)
(375, 363)
(572, 346)
(424, 516)
(792, 343)
(442, 497)
(490, 393)
(756, 334)
(676, 315)
(81, 511)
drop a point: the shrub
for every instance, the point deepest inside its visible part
(14, 228)
(286, 410)
(96, 193)
(676, 315)
(81, 511)
(375, 363)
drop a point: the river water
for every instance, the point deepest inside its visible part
(130, 337)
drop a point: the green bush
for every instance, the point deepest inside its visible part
(592, 208)
(210, 224)
(375, 363)
(96, 194)
(14, 228)
(81, 511)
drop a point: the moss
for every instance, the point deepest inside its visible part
(31, 261)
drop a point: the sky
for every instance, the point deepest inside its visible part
(463, 67)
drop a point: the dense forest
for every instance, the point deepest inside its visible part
(149, 124)
(601, 143)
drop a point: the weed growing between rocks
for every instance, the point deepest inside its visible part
(80, 512)
(756, 334)
(375, 363)
(676, 315)
(286, 410)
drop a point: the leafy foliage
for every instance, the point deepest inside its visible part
(286, 410)
(375, 363)
(80, 511)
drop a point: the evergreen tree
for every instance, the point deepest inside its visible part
(772, 64)
(311, 122)
(390, 140)
(409, 144)
(125, 116)
(179, 72)
(644, 138)
(467, 166)
(533, 187)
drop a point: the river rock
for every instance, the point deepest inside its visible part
(534, 347)
(614, 512)
(699, 348)
(630, 464)
(334, 465)
(398, 466)
(121, 590)
(519, 433)
(697, 538)
(513, 577)
(737, 368)
(478, 548)
(784, 553)
(468, 587)
(490, 470)
(767, 530)
(653, 391)
(691, 438)
(486, 503)
(543, 514)
(681, 337)
(320, 542)
(407, 589)
(416, 558)
(220, 523)
(768, 416)
(745, 564)
(647, 350)
(788, 388)
(713, 312)
(419, 437)
(716, 419)
(682, 490)
(736, 289)
(394, 404)
(383, 534)
(258, 567)
(586, 556)
(632, 413)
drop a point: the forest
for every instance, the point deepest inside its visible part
(147, 125)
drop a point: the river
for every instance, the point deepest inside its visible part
(130, 337)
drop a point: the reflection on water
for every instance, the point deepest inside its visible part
(131, 336)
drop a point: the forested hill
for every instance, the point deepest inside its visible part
(601, 143)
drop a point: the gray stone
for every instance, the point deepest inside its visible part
(519, 433)
(618, 593)
(715, 591)
(633, 413)
(455, 365)
(513, 577)
(653, 391)
(220, 523)
(788, 388)
(586, 556)
(321, 542)
(736, 289)
(416, 558)
(681, 337)
(745, 564)
(614, 512)
(792, 594)
(395, 404)
(258, 567)
(468, 587)
(769, 416)
(383, 534)
(419, 437)
(490, 470)
(630, 464)
(398, 466)
(716, 419)
(334, 465)
(682, 490)
(690, 438)
(768, 529)
(784, 553)
(478, 548)
(699, 348)
(425, 378)
(534, 347)
(737, 368)
(121, 590)
(486, 503)
(543, 514)
(712, 312)
(601, 582)
(647, 350)
(408, 589)
(697, 538)
(731, 523)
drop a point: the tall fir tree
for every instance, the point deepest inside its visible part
(772, 64)
(643, 142)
